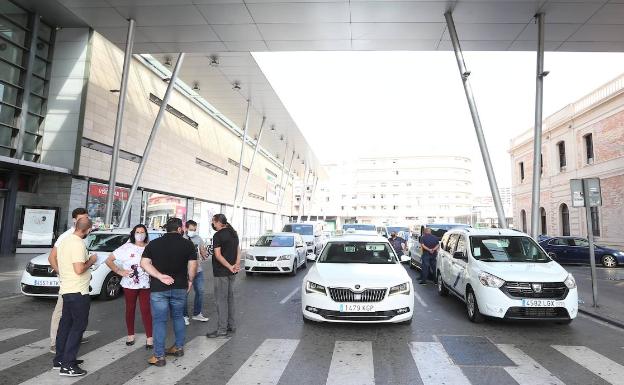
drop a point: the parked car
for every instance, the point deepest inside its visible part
(437, 229)
(576, 250)
(357, 279)
(504, 274)
(40, 280)
(277, 253)
(309, 232)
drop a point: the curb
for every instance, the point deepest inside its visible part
(608, 320)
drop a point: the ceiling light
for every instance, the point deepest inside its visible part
(196, 87)
(273, 127)
(282, 137)
(214, 60)
(167, 61)
(236, 86)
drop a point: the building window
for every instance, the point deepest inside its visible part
(523, 220)
(521, 171)
(96, 203)
(589, 148)
(543, 221)
(562, 155)
(565, 219)
(595, 218)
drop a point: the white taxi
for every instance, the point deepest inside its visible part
(504, 274)
(277, 253)
(40, 280)
(358, 279)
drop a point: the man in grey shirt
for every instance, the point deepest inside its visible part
(198, 282)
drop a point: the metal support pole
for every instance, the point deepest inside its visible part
(283, 190)
(537, 135)
(253, 157)
(590, 239)
(125, 74)
(498, 204)
(281, 179)
(150, 140)
(303, 192)
(240, 161)
(28, 75)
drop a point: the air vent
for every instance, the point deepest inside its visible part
(158, 101)
(210, 166)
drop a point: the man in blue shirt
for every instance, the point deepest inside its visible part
(398, 243)
(429, 249)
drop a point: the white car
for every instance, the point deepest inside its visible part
(358, 279)
(504, 274)
(40, 280)
(277, 253)
(310, 233)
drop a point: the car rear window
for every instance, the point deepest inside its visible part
(299, 229)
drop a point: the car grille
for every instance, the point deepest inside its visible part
(41, 271)
(261, 258)
(50, 290)
(264, 269)
(537, 313)
(355, 316)
(348, 295)
(551, 290)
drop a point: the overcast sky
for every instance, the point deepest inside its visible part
(350, 104)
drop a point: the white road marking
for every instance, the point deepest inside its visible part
(93, 361)
(6, 334)
(417, 296)
(15, 273)
(528, 371)
(289, 296)
(435, 366)
(12, 297)
(195, 352)
(352, 364)
(27, 352)
(266, 364)
(596, 363)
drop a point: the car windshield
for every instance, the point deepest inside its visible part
(397, 229)
(299, 229)
(276, 241)
(358, 226)
(358, 252)
(506, 249)
(106, 242)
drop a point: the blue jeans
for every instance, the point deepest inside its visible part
(198, 288)
(162, 303)
(71, 327)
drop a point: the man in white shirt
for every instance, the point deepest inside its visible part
(77, 214)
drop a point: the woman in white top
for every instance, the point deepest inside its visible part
(126, 261)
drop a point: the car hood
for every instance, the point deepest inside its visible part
(351, 274)
(525, 272)
(271, 251)
(41, 259)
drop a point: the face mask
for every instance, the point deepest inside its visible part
(139, 237)
(213, 227)
(191, 234)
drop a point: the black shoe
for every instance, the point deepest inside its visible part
(129, 343)
(57, 365)
(149, 347)
(422, 282)
(216, 334)
(231, 330)
(73, 371)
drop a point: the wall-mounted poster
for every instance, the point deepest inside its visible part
(39, 226)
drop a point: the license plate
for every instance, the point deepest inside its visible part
(46, 283)
(353, 307)
(542, 303)
(266, 264)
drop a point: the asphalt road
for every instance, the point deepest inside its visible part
(273, 346)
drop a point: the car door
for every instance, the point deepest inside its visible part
(580, 250)
(447, 263)
(458, 266)
(558, 249)
(301, 248)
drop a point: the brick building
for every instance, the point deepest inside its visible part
(584, 139)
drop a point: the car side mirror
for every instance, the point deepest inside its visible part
(460, 255)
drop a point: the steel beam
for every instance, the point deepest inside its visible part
(283, 190)
(152, 137)
(303, 192)
(240, 161)
(125, 74)
(487, 162)
(253, 157)
(537, 134)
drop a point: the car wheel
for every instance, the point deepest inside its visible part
(553, 256)
(305, 263)
(609, 261)
(565, 322)
(442, 289)
(111, 288)
(293, 272)
(472, 307)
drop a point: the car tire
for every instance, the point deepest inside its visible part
(306, 320)
(305, 263)
(609, 261)
(553, 256)
(442, 289)
(564, 322)
(111, 287)
(293, 272)
(408, 322)
(472, 307)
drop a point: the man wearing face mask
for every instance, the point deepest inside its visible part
(77, 214)
(198, 282)
(74, 276)
(398, 243)
(172, 261)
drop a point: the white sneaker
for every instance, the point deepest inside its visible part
(187, 322)
(200, 317)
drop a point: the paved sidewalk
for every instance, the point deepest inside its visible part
(610, 293)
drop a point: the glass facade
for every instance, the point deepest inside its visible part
(16, 40)
(96, 203)
(160, 207)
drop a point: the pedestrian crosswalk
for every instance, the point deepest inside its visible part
(348, 362)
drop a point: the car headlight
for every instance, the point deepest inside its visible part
(312, 287)
(570, 282)
(30, 267)
(284, 258)
(490, 280)
(249, 257)
(403, 288)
